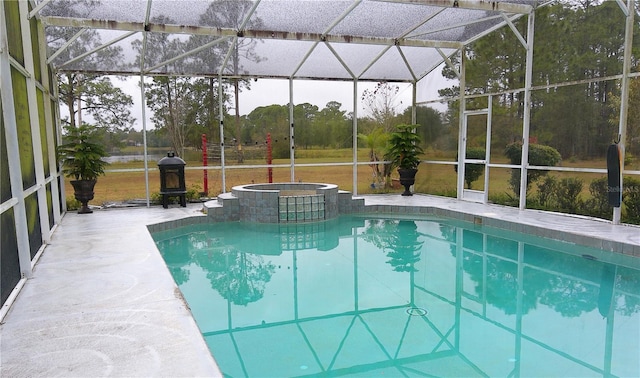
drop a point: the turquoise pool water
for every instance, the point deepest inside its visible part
(391, 297)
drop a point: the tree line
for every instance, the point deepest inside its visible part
(574, 40)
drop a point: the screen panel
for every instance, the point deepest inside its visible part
(9, 263)
(21, 104)
(5, 179)
(33, 223)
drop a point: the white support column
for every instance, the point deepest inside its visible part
(143, 107)
(34, 122)
(527, 112)
(414, 99)
(487, 149)
(292, 145)
(414, 117)
(462, 128)
(221, 115)
(624, 96)
(354, 131)
(58, 137)
(144, 138)
(52, 123)
(13, 151)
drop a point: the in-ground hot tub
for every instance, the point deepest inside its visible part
(282, 202)
(287, 202)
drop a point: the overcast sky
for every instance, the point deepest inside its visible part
(266, 92)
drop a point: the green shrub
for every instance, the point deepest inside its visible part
(193, 193)
(155, 198)
(628, 158)
(447, 192)
(503, 199)
(514, 182)
(547, 192)
(631, 200)
(538, 155)
(568, 195)
(598, 204)
(473, 171)
(281, 149)
(72, 204)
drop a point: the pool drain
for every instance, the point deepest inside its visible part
(417, 311)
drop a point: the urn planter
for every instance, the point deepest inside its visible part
(407, 178)
(83, 192)
(403, 152)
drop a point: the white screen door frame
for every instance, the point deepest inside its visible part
(475, 195)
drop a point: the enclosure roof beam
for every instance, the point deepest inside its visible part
(37, 8)
(249, 33)
(512, 18)
(304, 59)
(495, 6)
(102, 47)
(184, 55)
(515, 31)
(66, 45)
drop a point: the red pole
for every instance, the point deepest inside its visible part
(269, 159)
(205, 181)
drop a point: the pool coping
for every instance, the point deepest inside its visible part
(580, 230)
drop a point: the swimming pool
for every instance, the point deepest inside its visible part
(375, 296)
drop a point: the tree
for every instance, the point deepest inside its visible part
(573, 41)
(274, 120)
(632, 144)
(381, 102)
(303, 118)
(204, 111)
(331, 127)
(581, 40)
(431, 121)
(376, 142)
(232, 14)
(209, 61)
(171, 99)
(184, 107)
(93, 95)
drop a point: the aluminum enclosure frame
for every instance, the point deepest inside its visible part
(414, 35)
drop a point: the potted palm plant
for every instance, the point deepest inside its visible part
(403, 152)
(81, 158)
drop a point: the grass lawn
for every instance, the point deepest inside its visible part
(437, 179)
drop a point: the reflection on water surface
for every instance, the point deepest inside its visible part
(398, 297)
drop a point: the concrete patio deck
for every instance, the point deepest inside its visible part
(102, 302)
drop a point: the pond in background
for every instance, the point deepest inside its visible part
(132, 157)
(404, 297)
